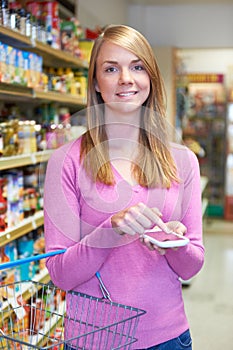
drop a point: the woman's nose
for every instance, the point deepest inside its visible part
(125, 76)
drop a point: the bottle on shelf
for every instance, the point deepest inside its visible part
(4, 14)
(13, 19)
(22, 21)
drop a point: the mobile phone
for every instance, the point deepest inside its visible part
(165, 240)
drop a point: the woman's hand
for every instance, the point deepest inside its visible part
(175, 226)
(136, 219)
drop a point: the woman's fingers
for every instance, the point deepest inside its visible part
(138, 214)
(134, 224)
(177, 227)
(155, 216)
(135, 219)
(138, 218)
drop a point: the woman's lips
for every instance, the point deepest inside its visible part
(126, 94)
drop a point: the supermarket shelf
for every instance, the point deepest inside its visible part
(50, 96)
(51, 57)
(14, 38)
(24, 159)
(21, 229)
(13, 92)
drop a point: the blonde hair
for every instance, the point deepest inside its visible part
(154, 165)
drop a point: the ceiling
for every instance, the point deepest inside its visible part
(178, 2)
(69, 7)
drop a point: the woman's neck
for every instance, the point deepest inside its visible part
(122, 126)
(122, 141)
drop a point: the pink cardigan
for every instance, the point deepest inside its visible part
(77, 215)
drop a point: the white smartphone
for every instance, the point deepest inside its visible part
(165, 240)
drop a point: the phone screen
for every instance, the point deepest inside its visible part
(166, 240)
(163, 236)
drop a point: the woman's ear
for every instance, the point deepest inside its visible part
(97, 86)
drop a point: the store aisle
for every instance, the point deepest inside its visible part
(209, 297)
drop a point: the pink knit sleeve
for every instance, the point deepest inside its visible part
(84, 254)
(187, 261)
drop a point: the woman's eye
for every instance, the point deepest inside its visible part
(110, 69)
(138, 67)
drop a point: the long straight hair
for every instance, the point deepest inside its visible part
(154, 164)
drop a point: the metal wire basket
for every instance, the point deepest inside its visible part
(40, 316)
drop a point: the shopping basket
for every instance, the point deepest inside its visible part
(34, 315)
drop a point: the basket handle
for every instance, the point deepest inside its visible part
(14, 263)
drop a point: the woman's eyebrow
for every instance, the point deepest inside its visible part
(116, 62)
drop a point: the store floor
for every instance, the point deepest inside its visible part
(209, 296)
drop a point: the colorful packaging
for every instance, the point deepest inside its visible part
(50, 16)
(26, 71)
(32, 77)
(39, 70)
(2, 67)
(86, 48)
(12, 52)
(19, 68)
(67, 36)
(14, 197)
(34, 8)
(3, 204)
(50, 8)
(5, 64)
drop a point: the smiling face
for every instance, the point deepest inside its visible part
(121, 79)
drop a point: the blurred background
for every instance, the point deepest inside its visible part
(44, 51)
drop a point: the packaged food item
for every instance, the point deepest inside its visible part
(5, 68)
(50, 17)
(19, 68)
(37, 314)
(86, 48)
(12, 52)
(67, 36)
(14, 195)
(3, 203)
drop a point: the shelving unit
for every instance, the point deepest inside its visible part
(26, 226)
(24, 159)
(202, 117)
(212, 165)
(25, 94)
(229, 162)
(21, 94)
(53, 57)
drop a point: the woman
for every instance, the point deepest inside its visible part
(103, 190)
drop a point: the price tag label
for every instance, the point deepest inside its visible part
(34, 225)
(33, 158)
